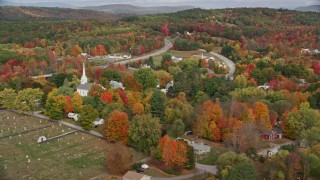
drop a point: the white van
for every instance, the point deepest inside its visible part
(97, 122)
(73, 116)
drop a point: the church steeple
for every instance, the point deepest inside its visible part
(84, 78)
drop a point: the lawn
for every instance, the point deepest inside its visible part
(75, 156)
(211, 158)
(156, 173)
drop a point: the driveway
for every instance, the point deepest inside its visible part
(201, 169)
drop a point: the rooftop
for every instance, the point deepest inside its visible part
(86, 86)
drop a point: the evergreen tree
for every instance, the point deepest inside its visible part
(177, 128)
(157, 103)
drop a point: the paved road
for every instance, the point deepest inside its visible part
(95, 133)
(229, 63)
(201, 169)
(167, 46)
(207, 168)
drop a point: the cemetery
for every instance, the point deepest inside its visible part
(28, 152)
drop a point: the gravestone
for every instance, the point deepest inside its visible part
(42, 139)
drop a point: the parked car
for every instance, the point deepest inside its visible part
(73, 116)
(97, 122)
(140, 170)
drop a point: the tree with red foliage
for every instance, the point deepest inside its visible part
(29, 44)
(100, 50)
(173, 153)
(97, 74)
(249, 68)
(141, 50)
(316, 68)
(106, 98)
(68, 108)
(123, 96)
(117, 128)
(165, 30)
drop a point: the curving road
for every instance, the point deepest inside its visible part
(201, 169)
(167, 46)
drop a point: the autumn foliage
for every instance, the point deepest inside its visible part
(117, 127)
(68, 108)
(106, 98)
(173, 153)
(209, 122)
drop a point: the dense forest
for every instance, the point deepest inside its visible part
(276, 83)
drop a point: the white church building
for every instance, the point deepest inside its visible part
(84, 86)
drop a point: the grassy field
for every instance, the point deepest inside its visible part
(75, 156)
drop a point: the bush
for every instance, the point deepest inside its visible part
(170, 171)
(262, 159)
(288, 147)
(136, 166)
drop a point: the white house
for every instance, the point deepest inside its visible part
(176, 59)
(170, 84)
(84, 86)
(199, 148)
(116, 85)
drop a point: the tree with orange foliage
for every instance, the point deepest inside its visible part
(137, 109)
(206, 123)
(261, 113)
(117, 127)
(106, 97)
(76, 102)
(173, 153)
(76, 50)
(131, 83)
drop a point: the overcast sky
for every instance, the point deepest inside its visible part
(198, 3)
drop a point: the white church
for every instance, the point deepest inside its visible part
(84, 86)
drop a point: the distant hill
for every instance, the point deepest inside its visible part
(130, 9)
(41, 13)
(309, 8)
(36, 4)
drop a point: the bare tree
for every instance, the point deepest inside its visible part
(119, 159)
